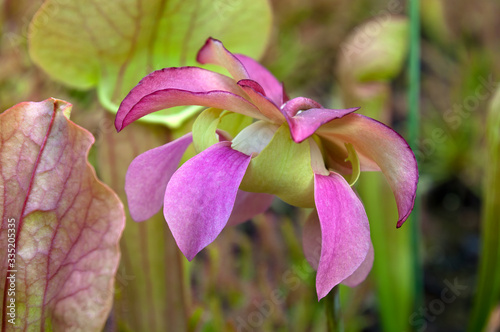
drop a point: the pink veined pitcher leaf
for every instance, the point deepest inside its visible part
(68, 223)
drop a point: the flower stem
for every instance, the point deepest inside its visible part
(333, 314)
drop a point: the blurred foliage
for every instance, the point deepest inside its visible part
(230, 285)
(112, 45)
(372, 56)
(488, 284)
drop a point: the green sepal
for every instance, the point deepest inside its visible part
(205, 127)
(283, 168)
(352, 157)
(233, 123)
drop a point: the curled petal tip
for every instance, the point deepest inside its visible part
(209, 41)
(118, 127)
(189, 256)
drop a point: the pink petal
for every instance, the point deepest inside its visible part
(201, 194)
(300, 103)
(241, 67)
(363, 270)
(171, 87)
(214, 52)
(377, 144)
(248, 205)
(273, 88)
(312, 116)
(345, 232)
(148, 175)
(311, 240)
(264, 104)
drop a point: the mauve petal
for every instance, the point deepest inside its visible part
(375, 143)
(201, 194)
(285, 95)
(363, 270)
(291, 107)
(264, 104)
(214, 52)
(241, 67)
(272, 87)
(306, 123)
(311, 242)
(248, 205)
(345, 232)
(148, 175)
(183, 86)
(312, 116)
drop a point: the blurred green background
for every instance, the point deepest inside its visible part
(254, 276)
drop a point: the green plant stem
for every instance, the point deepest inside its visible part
(333, 313)
(488, 279)
(414, 134)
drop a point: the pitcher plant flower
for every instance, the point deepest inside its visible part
(254, 143)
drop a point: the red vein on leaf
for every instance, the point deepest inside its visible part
(108, 20)
(49, 277)
(89, 31)
(20, 224)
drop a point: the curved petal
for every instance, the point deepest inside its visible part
(363, 270)
(273, 88)
(171, 87)
(214, 52)
(241, 67)
(293, 106)
(264, 104)
(378, 144)
(248, 205)
(148, 175)
(305, 123)
(336, 155)
(345, 232)
(201, 194)
(311, 242)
